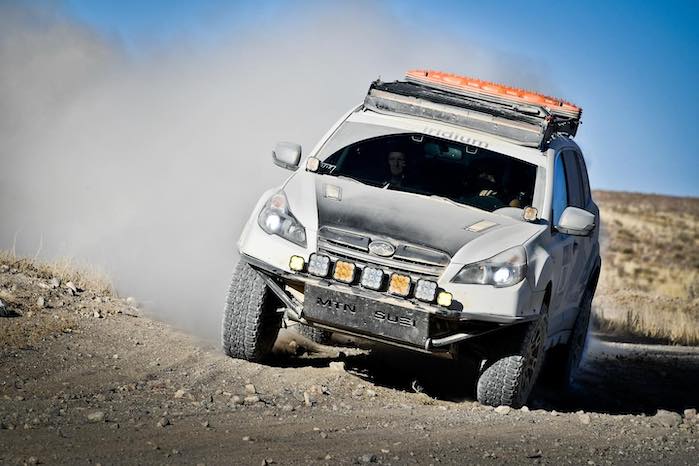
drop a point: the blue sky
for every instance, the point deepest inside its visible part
(633, 66)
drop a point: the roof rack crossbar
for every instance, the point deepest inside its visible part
(523, 133)
(523, 123)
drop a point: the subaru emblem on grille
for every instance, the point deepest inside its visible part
(381, 248)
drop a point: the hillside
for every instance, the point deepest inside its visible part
(649, 286)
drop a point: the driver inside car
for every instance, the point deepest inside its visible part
(396, 165)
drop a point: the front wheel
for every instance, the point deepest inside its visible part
(508, 379)
(250, 319)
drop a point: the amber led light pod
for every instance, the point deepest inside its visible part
(399, 285)
(344, 272)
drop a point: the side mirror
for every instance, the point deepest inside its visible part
(575, 221)
(287, 155)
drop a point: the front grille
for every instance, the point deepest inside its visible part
(416, 261)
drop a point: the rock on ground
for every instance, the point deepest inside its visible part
(667, 418)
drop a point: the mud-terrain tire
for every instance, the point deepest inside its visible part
(563, 361)
(250, 319)
(508, 379)
(316, 335)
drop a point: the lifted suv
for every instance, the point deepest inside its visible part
(444, 215)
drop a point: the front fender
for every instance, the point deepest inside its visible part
(540, 267)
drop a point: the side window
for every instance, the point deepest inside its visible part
(585, 179)
(560, 193)
(573, 179)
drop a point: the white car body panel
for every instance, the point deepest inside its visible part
(550, 263)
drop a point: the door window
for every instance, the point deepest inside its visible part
(585, 179)
(560, 193)
(573, 179)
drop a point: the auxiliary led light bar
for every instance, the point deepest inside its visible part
(399, 285)
(372, 278)
(444, 298)
(344, 272)
(296, 263)
(425, 290)
(319, 265)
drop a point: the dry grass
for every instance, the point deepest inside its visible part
(649, 317)
(65, 269)
(649, 286)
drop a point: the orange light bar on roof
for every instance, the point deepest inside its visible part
(473, 86)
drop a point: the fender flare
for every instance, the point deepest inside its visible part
(542, 276)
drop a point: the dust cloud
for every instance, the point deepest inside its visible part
(147, 165)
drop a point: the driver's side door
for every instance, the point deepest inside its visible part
(564, 249)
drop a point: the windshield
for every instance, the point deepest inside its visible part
(430, 166)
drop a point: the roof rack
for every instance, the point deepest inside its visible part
(523, 117)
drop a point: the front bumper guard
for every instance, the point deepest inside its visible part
(294, 311)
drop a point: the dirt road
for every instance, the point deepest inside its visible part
(87, 379)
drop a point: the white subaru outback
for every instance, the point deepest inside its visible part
(446, 215)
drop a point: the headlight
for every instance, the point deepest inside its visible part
(276, 219)
(505, 269)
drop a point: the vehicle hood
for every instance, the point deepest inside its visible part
(429, 222)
